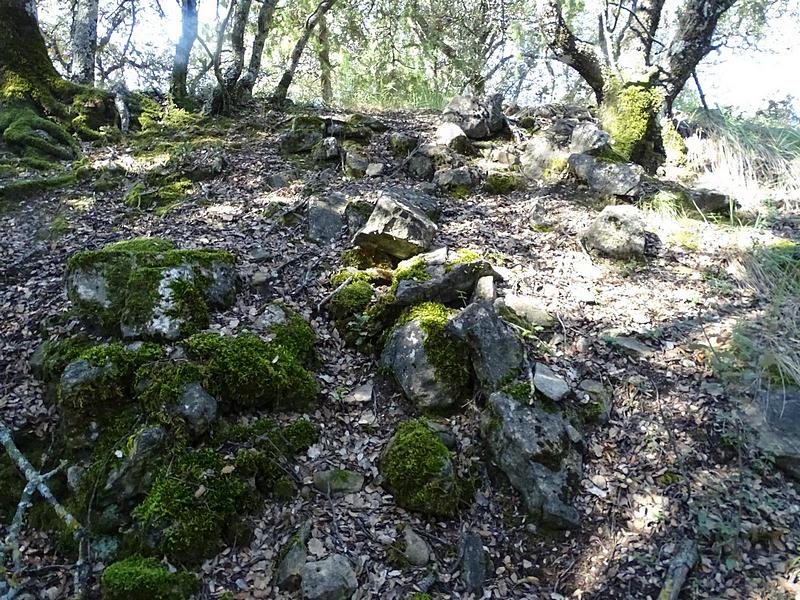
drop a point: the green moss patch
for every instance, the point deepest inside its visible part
(414, 271)
(630, 115)
(500, 182)
(448, 356)
(138, 578)
(159, 192)
(418, 470)
(246, 372)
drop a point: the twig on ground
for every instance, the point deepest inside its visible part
(679, 567)
(339, 288)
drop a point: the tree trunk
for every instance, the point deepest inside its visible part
(282, 89)
(324, 55)
(234, 71)
(180, 64)
(84, 41)
(244, 88)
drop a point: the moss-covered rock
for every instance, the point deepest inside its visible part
(503, 182)
(159, 192)
(146, 288)
(418, 469)
(245, 372)
(138, 578)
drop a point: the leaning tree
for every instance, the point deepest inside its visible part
(637, 62)
(38, 107)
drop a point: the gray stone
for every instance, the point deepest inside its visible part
(587, 137)
(375, 169)
(540, 155)
(774, 415)
(619, 179)
(281, 179)
(710, 201)
(548, 383)
(525, 311)
(329, 579)
(329, 149)
(475, 562)
(260, 278)
(478, 118)
(402, 142)
(355, 163)
(496, 351)
(196, 407)
(420, 167)
(452, 136)
(303, 140)
(450, 278)
(356, 214)
(484, 290)
(396, 228)
(539, 452)
(418, 198)
(326, 216)
(459, 179)
(415, 549)
(74, 476)
(134, 476)
(617, 232)
(599, 400)
(406, 358)
(287, 575)
(271, 316)
(76, 376)
(629, 345)
(338, 481)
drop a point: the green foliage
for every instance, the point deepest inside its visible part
(246, 372)
(137, 578)
(417, 468)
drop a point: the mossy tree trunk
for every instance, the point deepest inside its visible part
(84, 41)
(633, 88)
(244, 87)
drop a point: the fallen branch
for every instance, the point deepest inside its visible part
(679, 568)
(338, 289)
(36, 482)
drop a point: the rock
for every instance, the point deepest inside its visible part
(403, 143)
(415, 549)
(326, 216)
(619, 179)
(305, 133)
(452, 136)
(362, 394)
(356, 214)
(598, 407)
(478, 118)
(419, 199)
(548, 383)
(542, 158)
(507, 156)
(628, 345)
(495, 351)
(281, 179)
(710, 201)
(502, 182)
(587, 137)
(287, 575)
(449, 277)
(484, 290)
(409, 361)
(539, 453)
(146, 288)
(74, 476)
(77, 376)
(475, 562)
(197, 408)
(329, 579)
(458, 180)
(420, 167)
(375, 169)
(617, 232)
(774, 416)
(418, 470)
(133, 477)
(328, 149)
(355, 163)
(396, 228)
(361, 120)
(338, 481)
(525, 311)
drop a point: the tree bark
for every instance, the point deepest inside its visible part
(84, 41)
(244, 88)
(180, 64)
(282, 89)
(324, 55)
(234, 71)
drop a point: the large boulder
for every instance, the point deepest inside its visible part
(525, 311)
(304, 134)
(145, 288)
(587, 137)
(774, 416)
(451, 135)
(479, 118)
(457, 181)
(542, 159)
(428, 364)
(615, 178)
(396, 227)
(417, 469)
(539, 452)
(443, 275)
(495, 350)
(329, 579)
(617, 232)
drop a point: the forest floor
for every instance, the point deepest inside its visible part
(674, 460)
